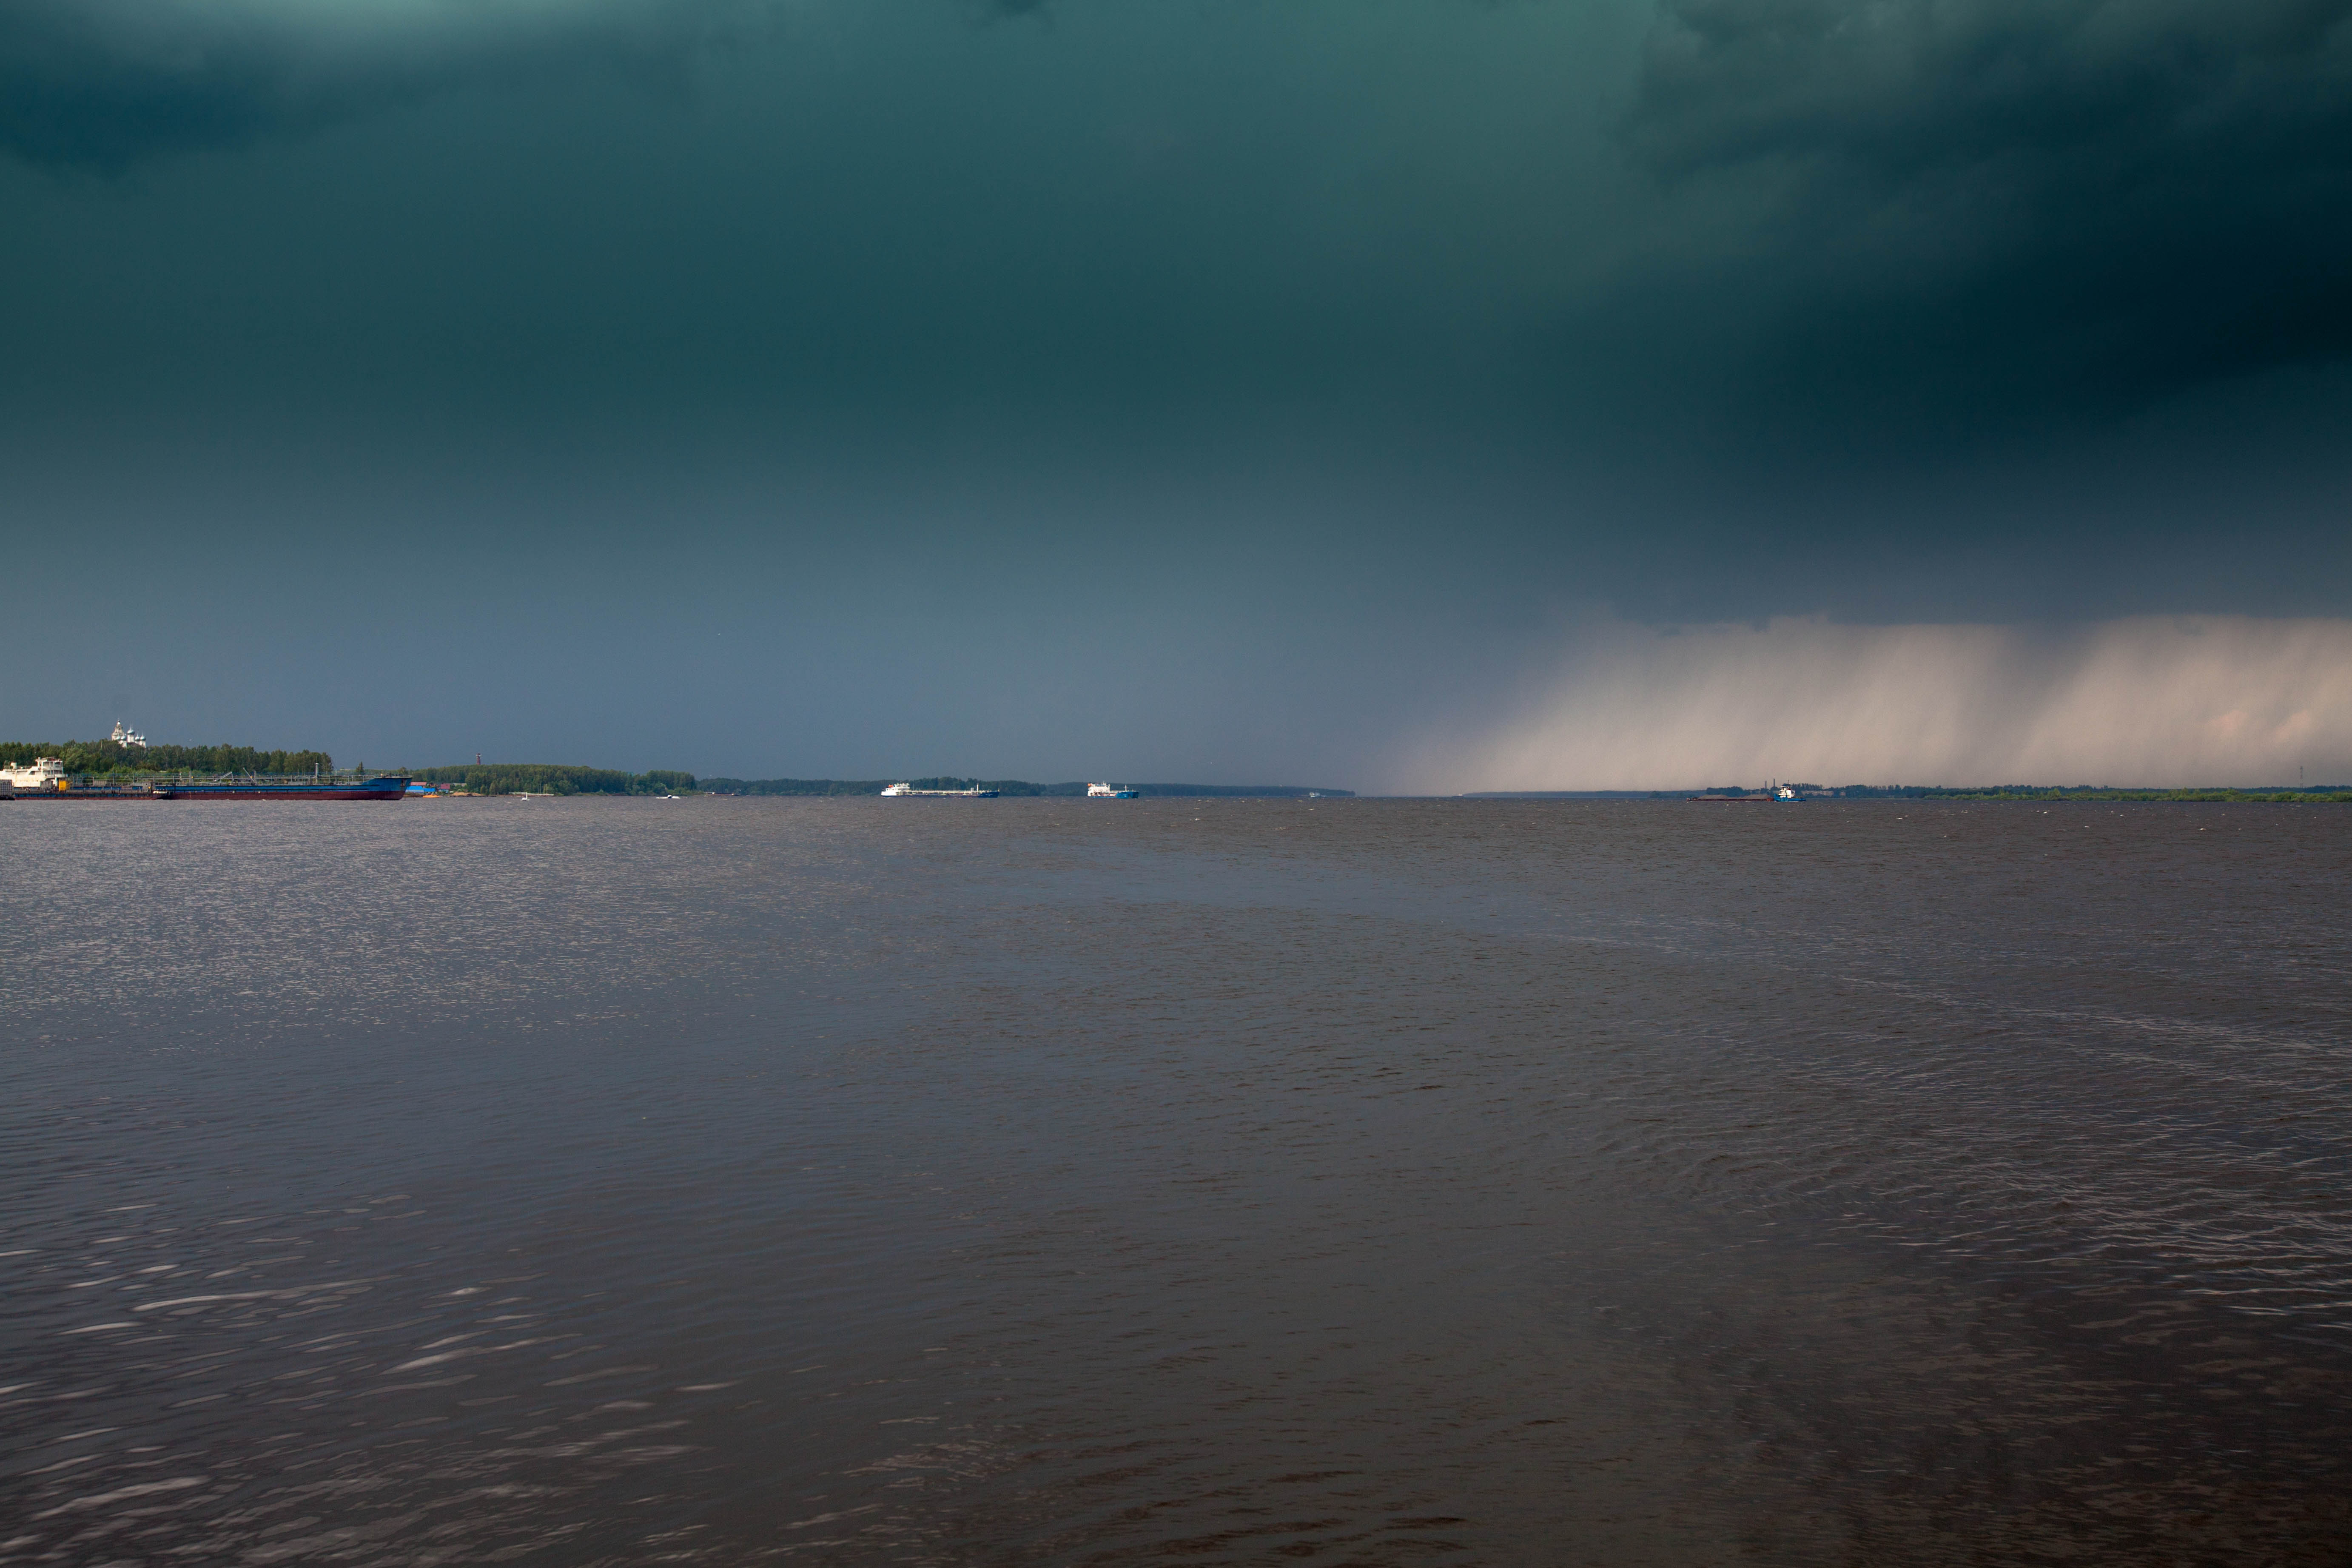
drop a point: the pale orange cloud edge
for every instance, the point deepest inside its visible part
(2155, 700)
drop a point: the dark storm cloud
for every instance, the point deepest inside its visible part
(1941, 204)
(1702, 310)
(106, 82)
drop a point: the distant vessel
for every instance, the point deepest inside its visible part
(1109, 791)
(976, 793)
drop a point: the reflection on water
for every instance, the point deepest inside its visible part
(1023, 1180)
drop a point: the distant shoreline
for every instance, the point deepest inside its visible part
(1015, 787)
(2334, 794)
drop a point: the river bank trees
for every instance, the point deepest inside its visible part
(107, 758)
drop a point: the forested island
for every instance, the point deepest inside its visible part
(1004, 787)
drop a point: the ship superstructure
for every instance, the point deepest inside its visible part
(41, 773)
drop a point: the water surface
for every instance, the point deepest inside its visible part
(942, 1182)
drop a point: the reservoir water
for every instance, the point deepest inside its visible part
(1068, 1182)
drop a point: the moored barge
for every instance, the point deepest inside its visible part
(388, 786)
(46, 779)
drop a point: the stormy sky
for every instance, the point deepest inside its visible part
(1401, 395)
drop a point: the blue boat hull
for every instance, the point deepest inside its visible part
(386, 788)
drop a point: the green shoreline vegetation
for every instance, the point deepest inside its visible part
(555, 778)
(112, 763)
(108, 760)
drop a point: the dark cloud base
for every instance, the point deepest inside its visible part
(1888, 310)
(106, 83)
(1997, 209)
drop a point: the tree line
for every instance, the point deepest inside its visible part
(555, 778)
(106, 757)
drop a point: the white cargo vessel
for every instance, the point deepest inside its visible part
(41, 773)
(1109, 791)
(976, 793)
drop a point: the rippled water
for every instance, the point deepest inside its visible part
(1063, 1182)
